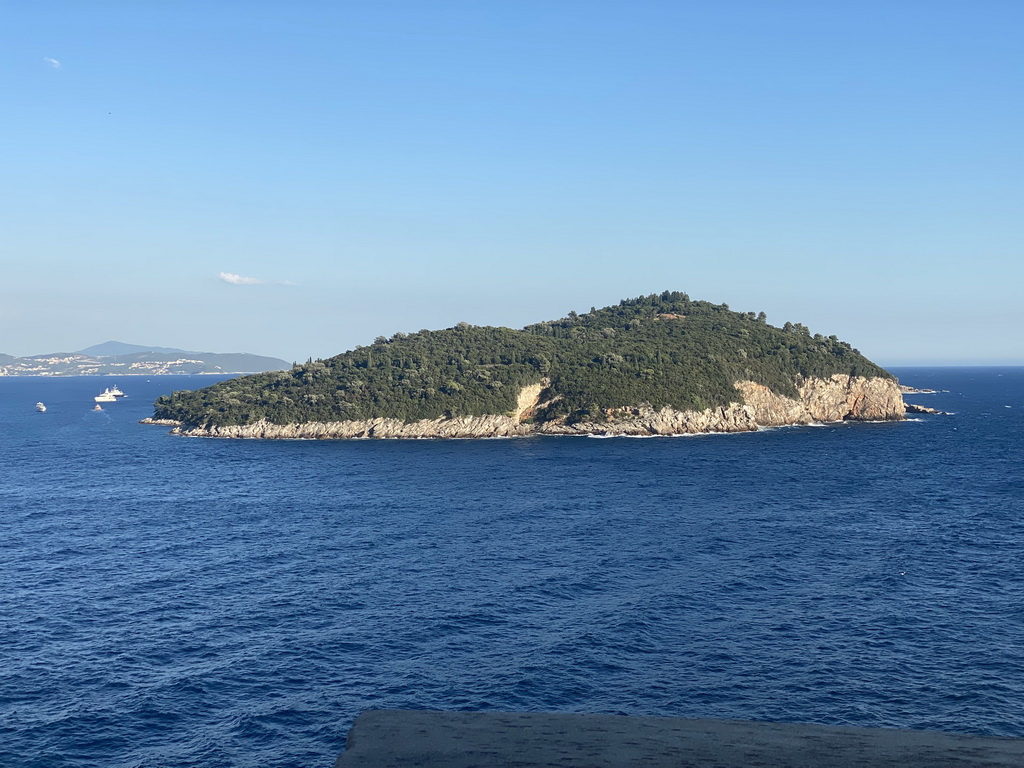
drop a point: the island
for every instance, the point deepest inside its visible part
(655, 365)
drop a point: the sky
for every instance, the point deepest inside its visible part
(297, 178)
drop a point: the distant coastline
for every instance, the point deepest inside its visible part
(4, 374)
(115, 358)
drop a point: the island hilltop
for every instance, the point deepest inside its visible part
(654, 365)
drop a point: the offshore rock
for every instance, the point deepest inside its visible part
(907, 390)
(911, 408)
(838, 398)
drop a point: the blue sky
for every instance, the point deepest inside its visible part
(293, 179)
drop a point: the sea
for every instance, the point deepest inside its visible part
(169, 601)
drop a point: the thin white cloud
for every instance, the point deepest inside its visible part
(234, 279)
(52, 62)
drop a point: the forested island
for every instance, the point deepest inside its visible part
(658, 364)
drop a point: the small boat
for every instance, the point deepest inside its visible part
(106, 396)
(40, 408)
(97, 407)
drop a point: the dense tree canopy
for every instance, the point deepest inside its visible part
(665, 350)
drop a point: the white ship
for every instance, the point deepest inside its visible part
(40, 407)
(115, 391)
(106, 396)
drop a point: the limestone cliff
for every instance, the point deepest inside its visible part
(837, 398)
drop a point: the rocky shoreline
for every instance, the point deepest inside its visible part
(838, 398)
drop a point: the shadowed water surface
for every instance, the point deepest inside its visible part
(189, 602)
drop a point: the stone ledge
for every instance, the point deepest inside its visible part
(392, 738)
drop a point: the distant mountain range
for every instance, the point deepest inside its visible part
(117, 358)
(117, 348)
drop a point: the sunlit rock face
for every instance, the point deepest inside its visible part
(838, 398)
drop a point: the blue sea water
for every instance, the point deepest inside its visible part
(170, 601)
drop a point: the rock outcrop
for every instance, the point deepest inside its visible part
(838, 398)
(911, 408)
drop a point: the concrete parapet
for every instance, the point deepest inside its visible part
(392, 738)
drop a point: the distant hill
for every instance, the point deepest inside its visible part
(117, 358)
(118, 348)
(589, 372)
